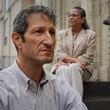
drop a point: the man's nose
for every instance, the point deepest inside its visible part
(49, 41)
(48, 35)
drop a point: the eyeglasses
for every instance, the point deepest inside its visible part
(73, 15)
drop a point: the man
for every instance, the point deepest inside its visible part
(25, 85)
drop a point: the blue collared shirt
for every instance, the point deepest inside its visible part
(18, 92)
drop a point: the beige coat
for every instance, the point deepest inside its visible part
(84, 46)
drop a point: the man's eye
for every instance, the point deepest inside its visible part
(39, 31)
(52, 32)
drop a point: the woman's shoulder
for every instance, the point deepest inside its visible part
(64, 30)
(89, 31)
(90, 34)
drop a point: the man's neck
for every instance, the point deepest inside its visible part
(33, 72)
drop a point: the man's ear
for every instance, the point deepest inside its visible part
(17, 39)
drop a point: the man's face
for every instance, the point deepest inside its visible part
(74, 18)
(39, 40)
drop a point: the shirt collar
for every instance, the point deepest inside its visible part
(26, 81)
(20, 75)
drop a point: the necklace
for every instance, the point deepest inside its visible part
(74, 40)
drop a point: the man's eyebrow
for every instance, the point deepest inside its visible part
(39, 27)
(42, 27)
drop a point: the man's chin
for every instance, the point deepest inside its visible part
(47, 60)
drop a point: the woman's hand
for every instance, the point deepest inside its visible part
(83, 66)
(59, 64)
(69, 60)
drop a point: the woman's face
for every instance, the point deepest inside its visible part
(74, 18)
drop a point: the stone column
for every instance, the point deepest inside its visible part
(91, 17)
(97, 11)
(104, 44)
(1, 42)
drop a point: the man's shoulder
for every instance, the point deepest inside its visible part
(63, 89)
(60, 83)
(5, 75)
(53, 77)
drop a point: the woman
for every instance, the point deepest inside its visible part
(75, 49)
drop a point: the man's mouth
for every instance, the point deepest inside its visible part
(47, 51)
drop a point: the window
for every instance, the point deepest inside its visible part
(9, 4)
(1, 6)
(6, 31)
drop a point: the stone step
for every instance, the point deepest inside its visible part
(98, 103)
(97, 95)
(96, 89)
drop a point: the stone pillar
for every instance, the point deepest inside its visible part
(42, 2)
(97, 11)
(89, 7)
(1, 41)
(104, 63)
